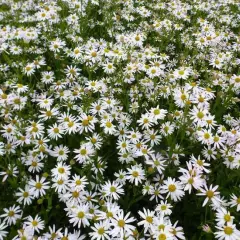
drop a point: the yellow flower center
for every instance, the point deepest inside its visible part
(70, 124)
(76, 51)
(75, 194)
(93, 54)
(172, 188)
(9, 130)
(11, 213)
(227, 217)
(83, 151)
(61, 170)
(34, 223)
(163, 207)
(137, 38)
(216, 139)
(152, 137)
(156, 163)
(153, 71)
(48, 113)
(85, 122)
(149, 219)
(56, 130)
(60, 182)
(145, 120)
(98, 107)
(108, 124)
(181, 72)
(177, 114)
(4, 96)
(101, 231)
(174, 232)
(162, 236)
(28, 68)
(144, 151)
(206, 135)
(135, 174)
(17, 101)
(190, 180)
(161, 227)
(200, 162)
(42, 149)
(166, 129)
(34, 164)
(183, 97)
(200, 115)
(112, 189)
(38, 185)
(72, 71)
(61, 152)
(35, 129)
(121, 223)
(78, 182)
(81, 214)
(25, 194)
(109, 215)
(210, 194)
(228, 230)
(124, 145)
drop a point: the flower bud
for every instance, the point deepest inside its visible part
(206, 228)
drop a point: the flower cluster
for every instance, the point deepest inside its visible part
(119, 119)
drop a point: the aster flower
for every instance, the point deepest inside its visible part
(100, 231)
(173, 189)
(35, 224)
(25, 196)
(147, 217)
(112, 189)
(211, 194)
(80, 215)
(228, 232)
(121, 225)
(135, 174)
(39, 186)
(12, 214)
